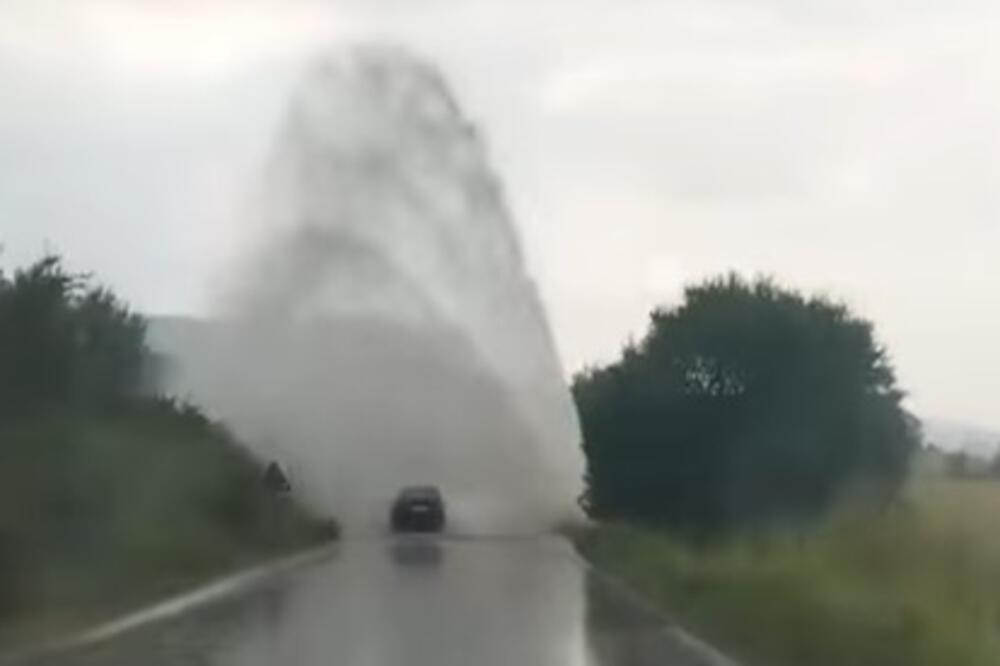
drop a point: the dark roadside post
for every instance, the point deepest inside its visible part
(275, 479)
(280, 509)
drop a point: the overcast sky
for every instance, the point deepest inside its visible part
(845, 146)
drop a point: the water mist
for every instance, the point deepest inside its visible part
(383, 331)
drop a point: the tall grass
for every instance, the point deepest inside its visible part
(101, 510)
(917, 585)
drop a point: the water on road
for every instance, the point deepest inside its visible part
(415, 602)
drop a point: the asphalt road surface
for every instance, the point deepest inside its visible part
(413, 602)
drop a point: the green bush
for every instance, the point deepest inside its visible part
(65, 341)
(747, 404)
(97, 507)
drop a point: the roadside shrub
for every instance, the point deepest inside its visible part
(747, 404)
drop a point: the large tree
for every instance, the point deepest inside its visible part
(65, 341)
(745, 404)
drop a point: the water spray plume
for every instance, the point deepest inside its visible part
(383, 331)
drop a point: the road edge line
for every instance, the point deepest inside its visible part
(209, 592)
(711, 655)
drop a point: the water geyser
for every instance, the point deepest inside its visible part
(383, 331)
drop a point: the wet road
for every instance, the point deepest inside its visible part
(414, 602)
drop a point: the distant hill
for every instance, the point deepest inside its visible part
(166, 334)
(957, 436)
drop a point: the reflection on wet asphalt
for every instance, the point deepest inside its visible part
(412, 601)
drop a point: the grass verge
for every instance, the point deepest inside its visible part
(104, 512)
(915, 586)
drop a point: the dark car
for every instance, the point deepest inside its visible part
(418, 509)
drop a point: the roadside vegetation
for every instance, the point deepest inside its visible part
(912, 586)
(746, 405)
(111, 495)
(753, 473)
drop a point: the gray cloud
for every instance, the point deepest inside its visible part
(845, 146)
